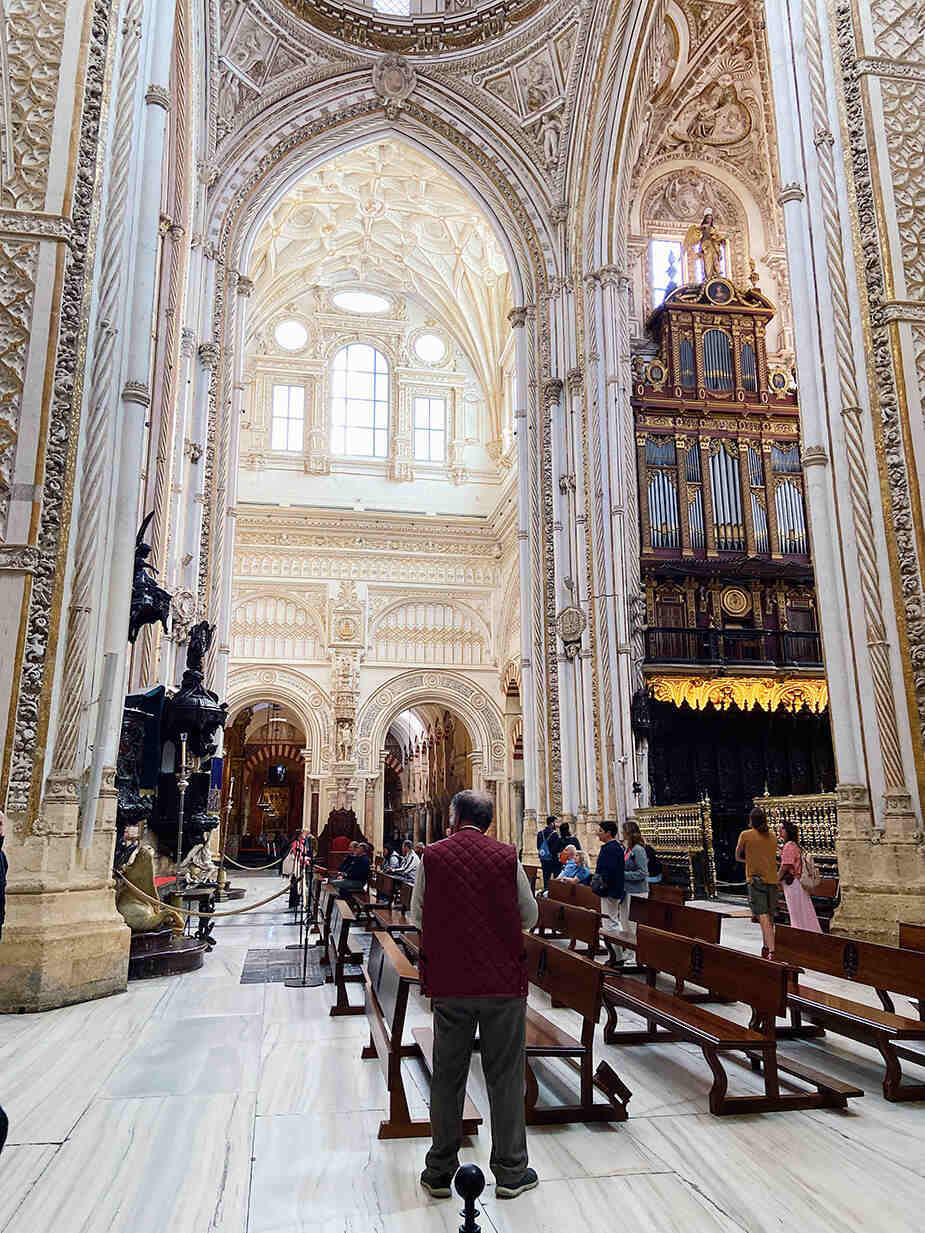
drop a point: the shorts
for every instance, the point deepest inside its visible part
(762, 897)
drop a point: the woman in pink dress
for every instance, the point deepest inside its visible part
(799, 904)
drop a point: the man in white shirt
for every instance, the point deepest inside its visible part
(408, 869)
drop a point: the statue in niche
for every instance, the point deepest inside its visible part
(705, 242)
(150, 603)
(344, 740)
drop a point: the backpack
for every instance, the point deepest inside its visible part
(655, 865)
(809, 877)
(543, 850)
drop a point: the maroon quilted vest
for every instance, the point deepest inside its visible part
(471, 941)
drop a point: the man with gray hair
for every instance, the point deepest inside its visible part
(471, 902)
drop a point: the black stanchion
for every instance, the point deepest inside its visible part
(303, 981)
(470, 1182)
(300, 901)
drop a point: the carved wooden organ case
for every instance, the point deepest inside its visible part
(724, 538)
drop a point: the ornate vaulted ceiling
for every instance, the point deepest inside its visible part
(388, 218)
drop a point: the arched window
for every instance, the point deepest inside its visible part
(360, 402)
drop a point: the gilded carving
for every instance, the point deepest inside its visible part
(743, 693)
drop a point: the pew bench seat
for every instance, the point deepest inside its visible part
(669, 1017)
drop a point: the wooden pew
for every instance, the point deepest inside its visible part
(576, 924)
(396, 919)
(912, 937)
(576, 983)
(327, 897)
(339, 956)
(666, 893)
(532, 872)
(575, 893)
(759, 983)
(697, 923)
(389, 978)
(887, 969)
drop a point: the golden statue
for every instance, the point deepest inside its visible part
(140, 915)
(706, 243)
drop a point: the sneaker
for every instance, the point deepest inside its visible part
(436, 1186)
(528, 1181)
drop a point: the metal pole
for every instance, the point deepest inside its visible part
(182, 782)
(223, 842)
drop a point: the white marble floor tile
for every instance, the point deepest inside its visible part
(192, 999)
(330, 1077)
(49, 1079)
(20, 1169)
(179, 1057)
(643, 1203)
(786, 1170)
(169, 1165)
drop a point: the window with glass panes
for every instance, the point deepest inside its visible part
(288, 426)
(429, 429)
(360, 402)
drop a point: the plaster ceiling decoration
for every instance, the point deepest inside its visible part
(384, 218)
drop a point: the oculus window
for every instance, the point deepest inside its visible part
(291, 335)
(430, 348)
(360, 402)
(288, 426)
(361, 302)
(429, 429)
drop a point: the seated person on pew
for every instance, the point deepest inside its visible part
(471, 902)
(408, 868)
(575, 868)
(358, 874)
(344, 871)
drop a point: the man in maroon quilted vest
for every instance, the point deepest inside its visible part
(471, 901)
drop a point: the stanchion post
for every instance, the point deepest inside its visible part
(470, 1182)
(300, 878)
(303, 981)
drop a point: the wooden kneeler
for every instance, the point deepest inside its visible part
(389, 978)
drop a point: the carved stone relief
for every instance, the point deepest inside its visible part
(904, 115)
(17, 284)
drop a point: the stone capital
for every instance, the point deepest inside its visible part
(517, 317)
(158, 96)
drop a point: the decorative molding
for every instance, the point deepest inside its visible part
(19, 558)
(136, 391)
(33, 225)
(791, 192)
(743, 693)
(158, 96)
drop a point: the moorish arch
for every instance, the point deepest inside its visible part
(308, 701)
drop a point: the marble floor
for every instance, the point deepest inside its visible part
(200, 1105)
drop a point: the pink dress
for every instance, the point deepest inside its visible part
(799, 904)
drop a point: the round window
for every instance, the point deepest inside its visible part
(291, 335)
(361, 302)
(430, 348)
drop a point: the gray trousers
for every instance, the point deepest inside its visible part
(502, 1027)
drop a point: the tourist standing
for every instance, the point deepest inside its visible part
(549, 861)
(635, 871)
(757, 847)
(471, 902)
(799, 904)
(608, 880)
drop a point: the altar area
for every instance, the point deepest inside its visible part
(197, 1104)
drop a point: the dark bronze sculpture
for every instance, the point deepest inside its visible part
(150, 602)
(194, 709)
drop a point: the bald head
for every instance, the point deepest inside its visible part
(472, 808)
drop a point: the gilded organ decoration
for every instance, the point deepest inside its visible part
(706, 241)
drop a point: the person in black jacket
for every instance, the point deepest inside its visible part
(608, 876)
(549, 863)
(358, 875)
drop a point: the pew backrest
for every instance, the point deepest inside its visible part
(577, 924)
(728, 973)
(911, 937)
(342, 917)
(404, 896)
(575, 982)
(532, 871)
(387, 887)
(387, 968)
(666, 893)
(697, 923)
(868, 963)
(574, 892)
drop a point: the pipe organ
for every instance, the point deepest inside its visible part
(725, 561)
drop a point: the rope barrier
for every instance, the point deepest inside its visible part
(160, 903)
(249, 868)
